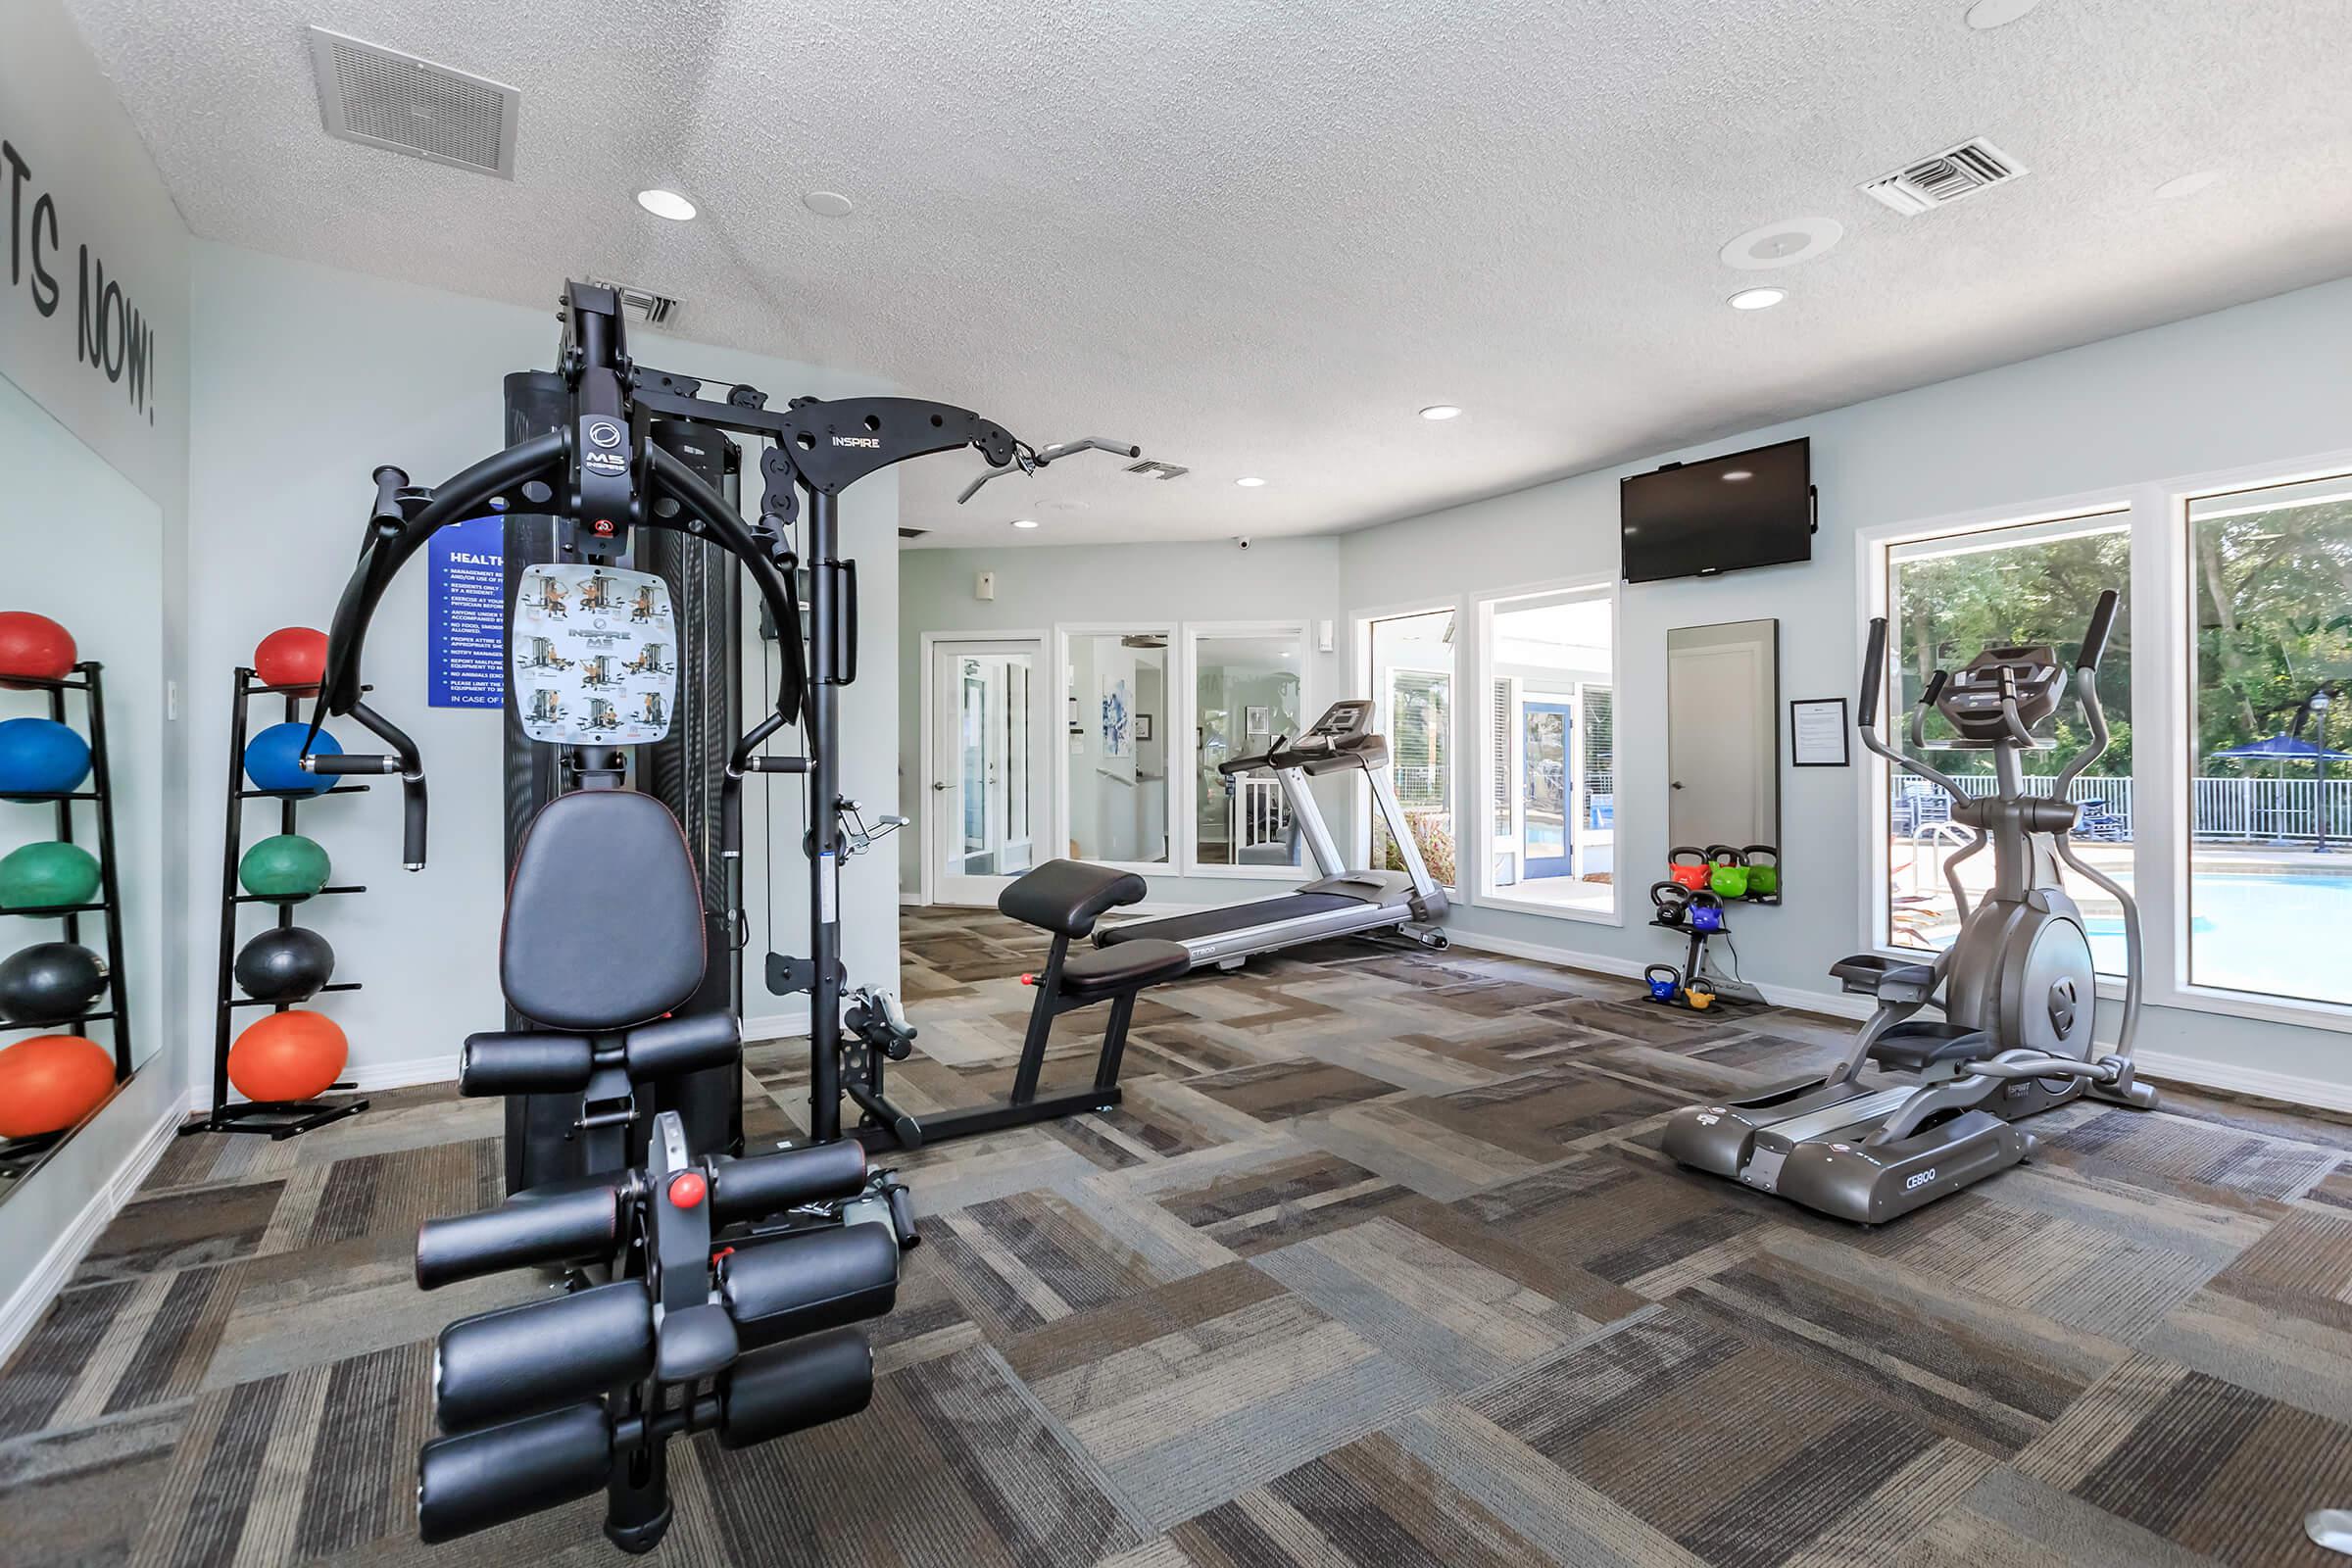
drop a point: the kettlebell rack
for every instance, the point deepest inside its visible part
(1696, 970)
(86, 678)
(279, 1119)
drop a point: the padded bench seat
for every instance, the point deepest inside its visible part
(1125, 966)
(1915, 1046)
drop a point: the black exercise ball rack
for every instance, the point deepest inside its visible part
(85, 677)
(279, 1119)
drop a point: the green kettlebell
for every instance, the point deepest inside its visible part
(1763, 881)
(1727, 873)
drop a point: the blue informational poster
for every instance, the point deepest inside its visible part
(465, 614)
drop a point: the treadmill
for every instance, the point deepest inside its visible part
(1343, 902)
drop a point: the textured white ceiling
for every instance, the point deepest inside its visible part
(1257, 237)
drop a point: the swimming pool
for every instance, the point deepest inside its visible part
(2282, 934)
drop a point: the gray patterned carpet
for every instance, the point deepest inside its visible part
(1378, 1264)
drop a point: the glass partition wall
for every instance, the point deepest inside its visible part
(1412, 693)
(81, 787)
(1547, 791)
(1117, 786)
(1247, 691)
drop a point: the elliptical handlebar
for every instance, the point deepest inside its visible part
(1866, 720)
(2094, 641)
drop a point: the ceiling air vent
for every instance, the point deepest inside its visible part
(382, 98)
(912, 533)
(1156, 471)
(1944, 178)
(640, 304)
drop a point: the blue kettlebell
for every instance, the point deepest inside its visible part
(1663, 980)
(1706, 911)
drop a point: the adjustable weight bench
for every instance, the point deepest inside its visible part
(1064, 897)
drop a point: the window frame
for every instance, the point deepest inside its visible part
(1483, 890)
(2162, 643)
(1193, 633)
(1359, 844)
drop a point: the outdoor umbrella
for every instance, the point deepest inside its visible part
(2287, 749)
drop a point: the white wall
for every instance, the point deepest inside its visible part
(1040, 587)
(2262, 383)
(307, 379)
(58, 116)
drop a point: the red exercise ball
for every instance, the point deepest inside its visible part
(50, 1082)
(34, 646)
(292, 657)
(295, 1055)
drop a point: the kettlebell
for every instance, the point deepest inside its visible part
(1663, 980)
(1692, 876)
(1706, 911)
(1728, 874)
(1671, 899)
(1698, 997)
(1763, 881)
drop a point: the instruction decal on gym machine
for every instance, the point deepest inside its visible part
(596, 654)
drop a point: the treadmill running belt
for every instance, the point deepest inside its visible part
(1232, 917)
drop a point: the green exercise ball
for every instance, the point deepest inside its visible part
(47, 876)
(285, 868)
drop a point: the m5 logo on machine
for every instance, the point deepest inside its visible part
(603, 433)
(601, 456)
(872, 441)
(1912, 1184)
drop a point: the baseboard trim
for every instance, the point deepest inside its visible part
(1822, 1001)
(41, 1283)
(2166, 1067)
(406, 1073)
(789, 1025)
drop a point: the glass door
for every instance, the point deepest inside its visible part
(984, 795)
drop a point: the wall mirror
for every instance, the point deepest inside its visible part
(82, 795)
(1723, 751)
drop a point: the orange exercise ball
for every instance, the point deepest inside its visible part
(292, 659)
(295, 1055)
(50, 1082)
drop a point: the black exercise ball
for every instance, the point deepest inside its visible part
(285, 963)
(50, 982)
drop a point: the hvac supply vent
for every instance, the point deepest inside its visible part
(1949, 177)
(640, 304)
(1156, 471)
(382, 98)
(912, 533)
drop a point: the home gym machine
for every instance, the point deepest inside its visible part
(1343, 902)
(2018, 988)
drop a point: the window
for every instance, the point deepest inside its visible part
(1246, 694)
(2269, 808)
(2020, 585)
(1117, 747)
(1413, 692)
(1547, 661)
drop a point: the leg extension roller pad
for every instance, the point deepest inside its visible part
(497, 1365)
(502, 1473)
(798, 1285)
(768, 1184)
(523, 1229)
(791, 1387)
(501, 1064)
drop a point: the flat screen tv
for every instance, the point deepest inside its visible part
(1694, 519)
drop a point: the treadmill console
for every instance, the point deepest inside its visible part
(1341, 738)
(1350, 717)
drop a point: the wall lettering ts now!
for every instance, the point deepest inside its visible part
(112, 334)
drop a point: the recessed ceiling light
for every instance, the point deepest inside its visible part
(1785, 243)
(1024, 522)
(2172, 191)
(1757, 299)
(1986, 15)
(1737, 474)
(665, 204)
(1441, 411)
(827, 202)
(1250, 484)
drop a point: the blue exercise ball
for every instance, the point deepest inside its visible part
(273, 760)
(41, 756)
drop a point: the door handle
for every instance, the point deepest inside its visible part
(1678, 784)
(942, 785)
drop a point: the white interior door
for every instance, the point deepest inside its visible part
(1716, 750)
(987, 801)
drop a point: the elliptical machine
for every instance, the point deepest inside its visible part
(2017, 989)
